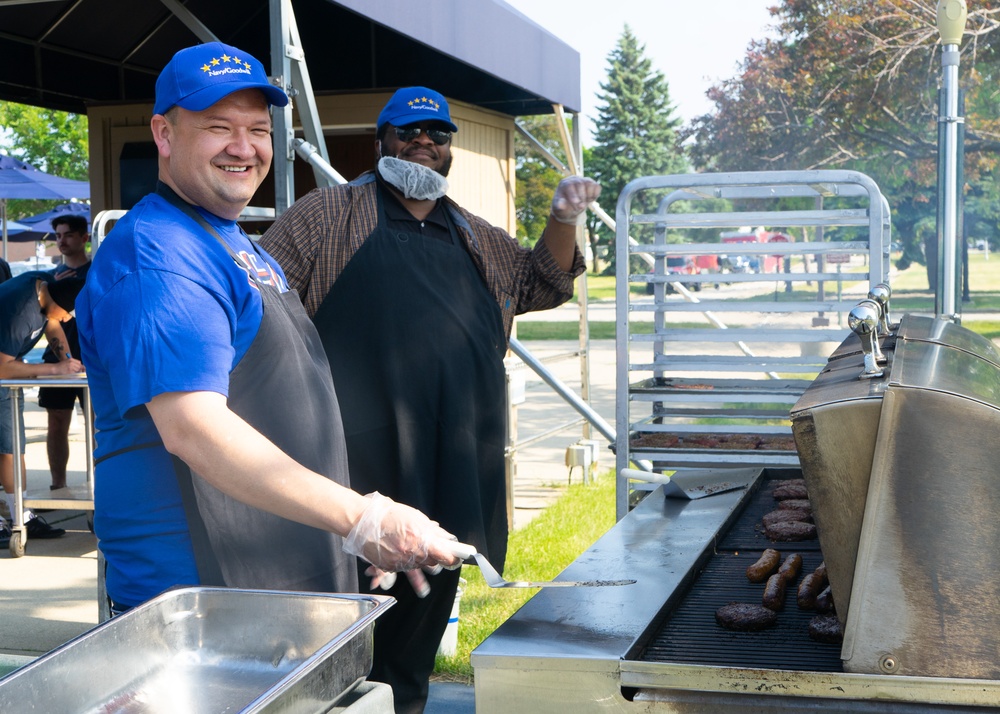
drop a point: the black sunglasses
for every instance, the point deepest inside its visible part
(408, 134)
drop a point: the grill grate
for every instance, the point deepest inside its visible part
(690, 634)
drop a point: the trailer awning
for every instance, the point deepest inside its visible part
(68, 54)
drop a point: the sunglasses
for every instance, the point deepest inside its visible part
(408, 134)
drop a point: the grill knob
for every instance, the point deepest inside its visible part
(881, 294)
(863, 320)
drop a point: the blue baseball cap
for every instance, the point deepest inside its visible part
(197, 77)
(415, 104)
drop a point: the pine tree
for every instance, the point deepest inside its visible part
(636, 132)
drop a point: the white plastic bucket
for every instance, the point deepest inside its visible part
(449, 640)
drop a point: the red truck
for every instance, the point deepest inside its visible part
(755, 263)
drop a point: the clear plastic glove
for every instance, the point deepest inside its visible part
(395, 537)
(385, 581)
(572, 196)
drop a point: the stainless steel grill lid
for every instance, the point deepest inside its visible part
(900, 472)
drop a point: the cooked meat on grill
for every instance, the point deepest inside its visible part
(800, 504)
(774, 593)
(789, 570)
(745, 617)
(783, 515)
(765, 565)
(824, 601)
(656, 440)
(826, 628)
(809, 588)
(790, 531)
(770, 442)
(782, 493)
(778, 483)
(821, 571)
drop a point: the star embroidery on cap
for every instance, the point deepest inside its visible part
(247, 65)
(226, 58)
(215, 61)
(205, 68)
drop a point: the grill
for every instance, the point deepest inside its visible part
(690, 635)
(897, 449)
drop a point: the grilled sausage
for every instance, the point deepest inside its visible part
(774, 593)
(789, 570)
(765, 565)
(809, 588)
(745, 617)
(824, 601)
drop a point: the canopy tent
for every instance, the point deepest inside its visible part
(19, 179)
(40, 224)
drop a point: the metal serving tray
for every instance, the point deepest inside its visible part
(201, 650)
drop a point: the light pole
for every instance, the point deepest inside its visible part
(951, 16)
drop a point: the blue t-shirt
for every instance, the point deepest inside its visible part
(165, 309)
(21, 318)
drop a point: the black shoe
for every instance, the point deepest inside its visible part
(38, 528)
(5, 534)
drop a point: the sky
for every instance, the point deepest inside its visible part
(695, 43)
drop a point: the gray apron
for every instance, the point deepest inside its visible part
(282, 388)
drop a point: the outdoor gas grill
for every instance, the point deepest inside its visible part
(893, 437)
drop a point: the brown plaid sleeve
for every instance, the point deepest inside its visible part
(316, 237)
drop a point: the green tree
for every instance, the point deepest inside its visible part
(853, 84)
(636, 131)
(51, 141)
(536, 177)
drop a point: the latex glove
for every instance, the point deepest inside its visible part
(385, 581)
(572, 196)
(395, 537)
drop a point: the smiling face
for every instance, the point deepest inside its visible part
(420, 150)
(216, 158)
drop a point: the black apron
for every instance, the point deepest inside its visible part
(416, 345)
(282, 388)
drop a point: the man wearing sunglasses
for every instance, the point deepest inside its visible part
(414, 298)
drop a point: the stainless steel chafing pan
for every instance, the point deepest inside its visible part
(201, 650)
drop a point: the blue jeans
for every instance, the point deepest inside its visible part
(7, 421)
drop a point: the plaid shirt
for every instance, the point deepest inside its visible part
(319, 234)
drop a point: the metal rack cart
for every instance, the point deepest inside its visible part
(73, 497)
(708, 363)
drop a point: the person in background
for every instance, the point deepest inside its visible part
(414, 298)
(5, 273)
(58, 402)
(220, 456)
(30, 304)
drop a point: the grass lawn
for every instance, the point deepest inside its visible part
(538, 551)
(910, 293)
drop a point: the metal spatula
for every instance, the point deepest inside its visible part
(495, 580)
(696, 483)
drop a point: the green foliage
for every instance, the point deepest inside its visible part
(52, 141)
(537, 178)
(853, 84)
(636, 130)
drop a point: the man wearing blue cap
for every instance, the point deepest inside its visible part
(220, 455)
(414, 298)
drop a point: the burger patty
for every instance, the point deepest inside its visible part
(826, 628)
(790, 531)
(744, 617)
